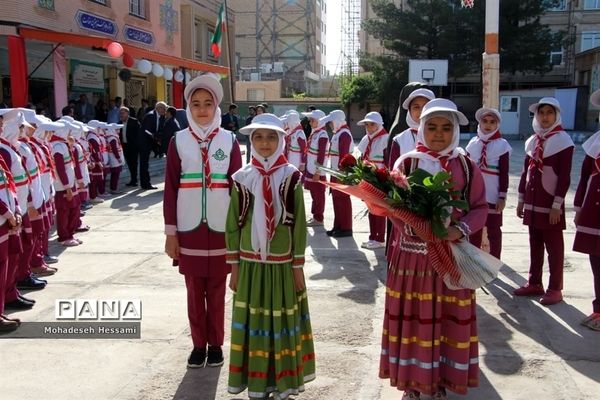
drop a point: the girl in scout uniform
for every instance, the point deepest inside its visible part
(491, 153)
(296, 141)
(266, 240)
(342, 143)
(96, 160)
(10, 219)
(407, 140)
(317, 147)
(200, 162)
(587, 219)
(66, 198)
(544, 183)
(115, 156)
(372, 148)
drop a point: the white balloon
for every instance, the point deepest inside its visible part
(168, 74)
(157, 70)
(179, 76)
(188, 77)
(144, 66)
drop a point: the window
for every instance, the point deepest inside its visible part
(255, 94)
(103, 2)
(591, 5)
(47, 4)
(199, 42)
(560, 6)
(589, 40)
(137, 8)
(556, 57)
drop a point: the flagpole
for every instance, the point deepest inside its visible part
(231, 72)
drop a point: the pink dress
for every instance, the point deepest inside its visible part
(429, 335)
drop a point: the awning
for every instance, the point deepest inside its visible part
(135, 52)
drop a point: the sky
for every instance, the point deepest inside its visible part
(334, 37)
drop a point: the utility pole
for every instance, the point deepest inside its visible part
(491, 56)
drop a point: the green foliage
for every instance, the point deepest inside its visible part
(359, 89)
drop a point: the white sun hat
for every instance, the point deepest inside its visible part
(551, 101)
(209, 81)
(264, 121)
(422, 92)
(444, 105)
(373, 116)
(483, 111)
(315, 114)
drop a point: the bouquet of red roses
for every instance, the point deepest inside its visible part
(424, 202)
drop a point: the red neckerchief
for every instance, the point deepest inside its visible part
(9, 178)
(58, 139)
(267, 192)
(442, 159)
(483, 159)
(204, 143)
(379, 134)
(46, 152)
(537, 161)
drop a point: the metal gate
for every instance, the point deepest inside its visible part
(135, 91)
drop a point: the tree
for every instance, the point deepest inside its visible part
(358, 89)
(442, 29)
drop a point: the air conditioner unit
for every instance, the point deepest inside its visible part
(255, 76)
(278, 67)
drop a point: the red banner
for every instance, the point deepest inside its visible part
(19, 85)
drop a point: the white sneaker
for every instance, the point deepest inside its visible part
(314, 222)
(96, 200)
(374, 245)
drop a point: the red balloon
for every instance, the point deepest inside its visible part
(128, 61)
(115, 50)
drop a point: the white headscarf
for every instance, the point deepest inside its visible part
(211, 84)
(592, 145)
(11, 128)
(251, 178)
(555, 143)
(428, 162)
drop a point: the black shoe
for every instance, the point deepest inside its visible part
(31, 283)
(48, 259)
(18, 304)
(32, 301)
(339, 234)
(83, 228)
(131, 184)
(197, 358)
(34, 276)
(149, 187)
(331, 232)
(215, 356)
(81, 213)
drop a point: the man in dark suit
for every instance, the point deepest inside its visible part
(84, 111)
(230, 121)
(171, 127)
(152, 126)
(129, 141)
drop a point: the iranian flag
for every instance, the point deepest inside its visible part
(220, 28)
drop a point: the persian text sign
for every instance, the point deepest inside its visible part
(138, 35)
(87, 76)
(96, 23)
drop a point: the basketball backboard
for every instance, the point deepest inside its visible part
(431, 72)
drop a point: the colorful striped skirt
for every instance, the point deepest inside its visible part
(272, 349)
(429, 331)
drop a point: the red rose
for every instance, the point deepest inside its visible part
(348, 161)
(382, 175)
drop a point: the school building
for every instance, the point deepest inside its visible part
(53, 51)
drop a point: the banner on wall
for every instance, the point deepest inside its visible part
(86, 76)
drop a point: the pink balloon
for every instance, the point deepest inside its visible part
(128, 61)
(115, 50)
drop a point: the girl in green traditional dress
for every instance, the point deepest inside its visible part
(272, 350)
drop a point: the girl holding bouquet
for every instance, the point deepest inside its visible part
(544, 183)
(491, 152)
(272, 349)
(429, 342)
(372, 148)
